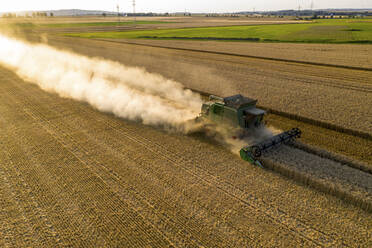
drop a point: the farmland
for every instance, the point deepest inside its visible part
(112, 182)
(320, 31)
(311, 91)
(75, 176)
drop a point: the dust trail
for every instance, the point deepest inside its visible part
(256, 135)
(128, 92)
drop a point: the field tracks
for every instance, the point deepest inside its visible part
(279, 217)
(98, 171)
(334, 157)
(320, 185)
(41, 230)
(263, 208)
(107, 175)
(126, 193)
(238, 55)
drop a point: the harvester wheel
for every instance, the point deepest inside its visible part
(256, 151)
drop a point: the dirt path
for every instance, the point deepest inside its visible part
(333, 95)
(74, 176)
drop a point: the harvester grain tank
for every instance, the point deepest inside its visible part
(240, 115)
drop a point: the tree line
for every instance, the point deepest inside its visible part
(33, 14)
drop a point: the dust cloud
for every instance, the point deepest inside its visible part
(127, 92)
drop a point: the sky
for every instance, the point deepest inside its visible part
(206, 6)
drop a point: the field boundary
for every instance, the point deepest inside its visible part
(252, 39)
(333, 156)
(237, 55)
(322, 124)
(312, 182)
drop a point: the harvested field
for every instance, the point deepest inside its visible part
(354, 148)
(306, 90)
(74, 176)
(343, 181)
(338, 55)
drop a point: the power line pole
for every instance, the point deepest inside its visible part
(134, 11)
(118, 9)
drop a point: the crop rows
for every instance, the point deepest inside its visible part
(68, 176)
(347, 149)
(348, 184)
(81, 163)
(304, 90)
(340, 56)
(316, 180)
(153, 157)
(117, 143)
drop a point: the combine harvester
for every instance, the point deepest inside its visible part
(241, 117)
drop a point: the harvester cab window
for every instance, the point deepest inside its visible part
(218, 109)
(249, 119)
(259, 120)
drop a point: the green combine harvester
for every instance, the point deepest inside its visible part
(240, 114)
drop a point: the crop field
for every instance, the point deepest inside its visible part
(107, 24)
(307, 90)
(320, 31)
(340, 55)
(92, 151)
(354, 148)
(112, 182)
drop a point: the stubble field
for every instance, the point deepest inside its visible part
(308, 90)
(73, 176)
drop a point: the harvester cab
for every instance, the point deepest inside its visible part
(240, 114)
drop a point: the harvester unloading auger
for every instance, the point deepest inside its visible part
(240, 114)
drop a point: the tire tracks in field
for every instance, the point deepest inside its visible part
(237, 55)
(333, 157)
(39, 175)
(33, 214)
(238, 193)
(40, 122)
(105, 174)
(210, 181)
(63, 142)
(286, 74)
(228, 188)
(339, 158)
(277, 216)
(292, 75)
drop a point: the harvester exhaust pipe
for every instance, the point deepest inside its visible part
(252, 153)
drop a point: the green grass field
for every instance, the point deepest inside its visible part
(98, 24)
(320, 31)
